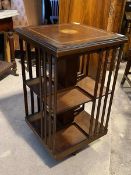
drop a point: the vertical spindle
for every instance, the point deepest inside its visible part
(24, 76)
(113, 86)
(100, 55)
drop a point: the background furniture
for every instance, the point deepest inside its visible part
(55, 11)
(62, 89)
(6, 25)
(126, 30)
(127, 69)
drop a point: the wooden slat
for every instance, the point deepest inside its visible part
(23, 76)
(55, 103)
(41, 92)
(49, 101)
(101, 90)
(29, 62)
(108, 86)
(45, 95)
(37, 75)
(100, 53)
(113, 86)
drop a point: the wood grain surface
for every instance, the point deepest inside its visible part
(84, 38)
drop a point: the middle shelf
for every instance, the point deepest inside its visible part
(66, 99)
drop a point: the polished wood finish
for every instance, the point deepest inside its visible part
(67, 76)
(59, 118)
(66, 99)
(65, 39)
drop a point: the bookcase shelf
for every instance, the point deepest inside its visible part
(74, 134)
(66, 99)
(58, 114)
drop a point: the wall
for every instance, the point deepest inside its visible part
(29, 14)
(89, 12)
(104, 14)
(33, 11)
(20, 20)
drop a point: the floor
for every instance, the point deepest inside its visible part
(22, 154)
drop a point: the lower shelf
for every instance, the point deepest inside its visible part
(67, 138)
(73, 137)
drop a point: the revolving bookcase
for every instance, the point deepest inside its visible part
(61, 86)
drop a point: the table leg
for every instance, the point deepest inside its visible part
(12, 52)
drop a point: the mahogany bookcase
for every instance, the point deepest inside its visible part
(59, 84)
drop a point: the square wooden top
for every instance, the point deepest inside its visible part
(69, 37)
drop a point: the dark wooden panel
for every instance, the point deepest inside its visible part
(67, 68)
(6, 24)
